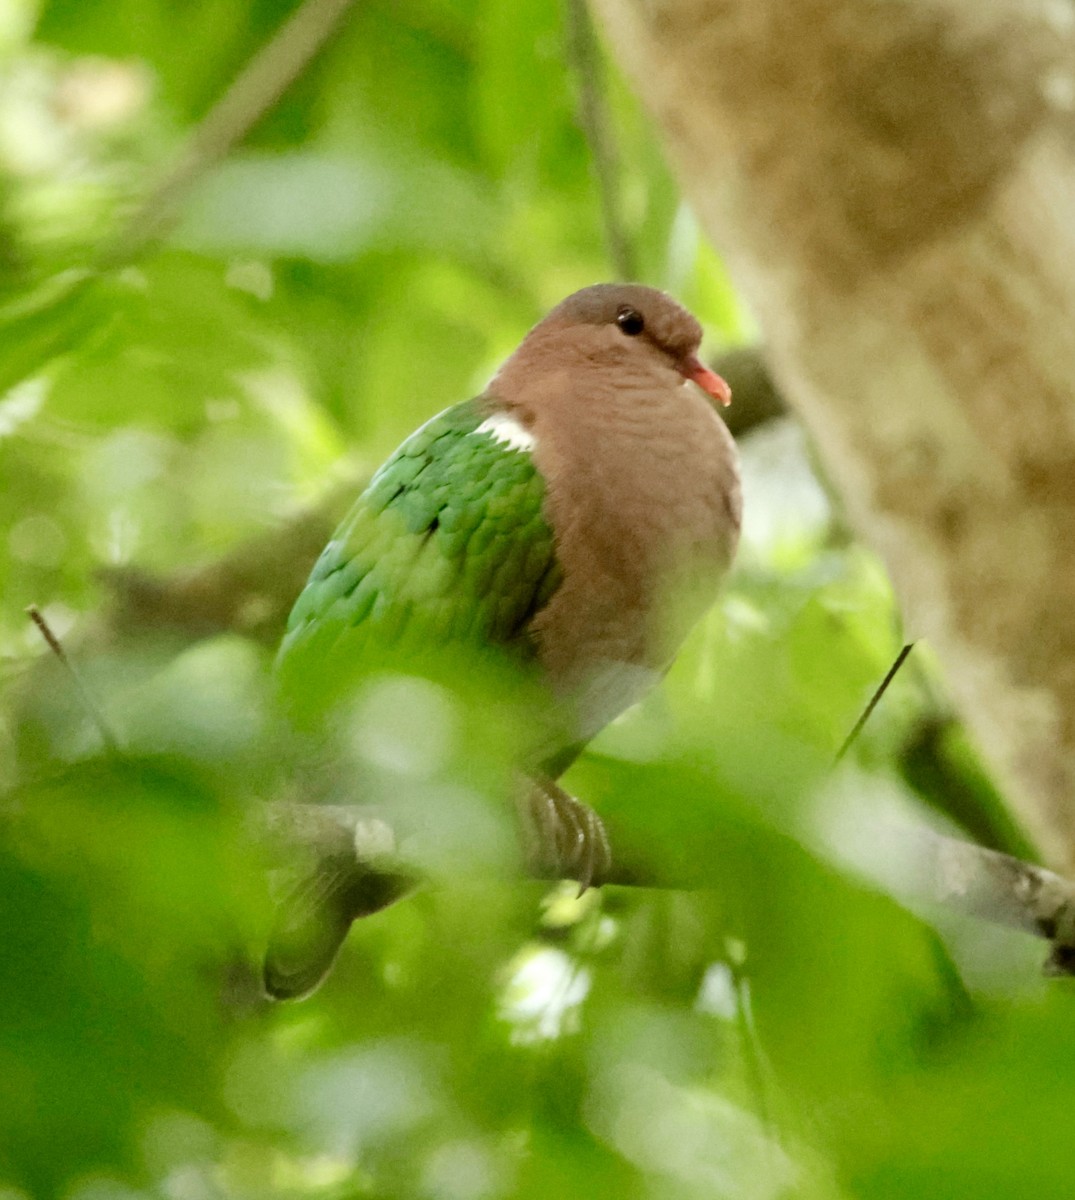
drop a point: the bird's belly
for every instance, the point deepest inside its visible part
(644, 533)
(607, 690)
(603, 646)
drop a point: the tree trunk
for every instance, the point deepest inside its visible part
(893, 187)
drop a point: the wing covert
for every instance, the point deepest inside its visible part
(448, 547)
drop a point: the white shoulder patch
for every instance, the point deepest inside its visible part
(505, 428)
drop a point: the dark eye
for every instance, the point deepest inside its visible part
(630, 321)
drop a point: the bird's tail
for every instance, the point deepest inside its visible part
(312, 920)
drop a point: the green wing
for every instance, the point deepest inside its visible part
(447, 549)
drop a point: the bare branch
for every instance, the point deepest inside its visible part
(957, 875)
(109, 739)
(987, 885)
(584, 56)
(250, 589)
(757, 398)
(257, 88)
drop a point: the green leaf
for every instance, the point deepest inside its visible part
(50, 321)
(176, 338)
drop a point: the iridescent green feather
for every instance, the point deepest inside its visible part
(447, 550)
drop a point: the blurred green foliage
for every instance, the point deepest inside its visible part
(419, 196)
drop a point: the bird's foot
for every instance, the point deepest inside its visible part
(565, 839)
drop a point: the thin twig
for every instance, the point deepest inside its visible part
(874, 701)
(753, 1055)
(585, 60)
(92, 707)
(255, 90)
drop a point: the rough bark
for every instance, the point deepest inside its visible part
(892, 184)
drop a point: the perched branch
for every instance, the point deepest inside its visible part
(934, 869)
(1000, 889)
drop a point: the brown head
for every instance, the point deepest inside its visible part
(622, 327)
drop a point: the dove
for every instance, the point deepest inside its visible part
(575, 520)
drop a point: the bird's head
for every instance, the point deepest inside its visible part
(625, 326)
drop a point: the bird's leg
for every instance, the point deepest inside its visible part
(564, 838)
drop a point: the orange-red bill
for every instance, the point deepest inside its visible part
(709, 381)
